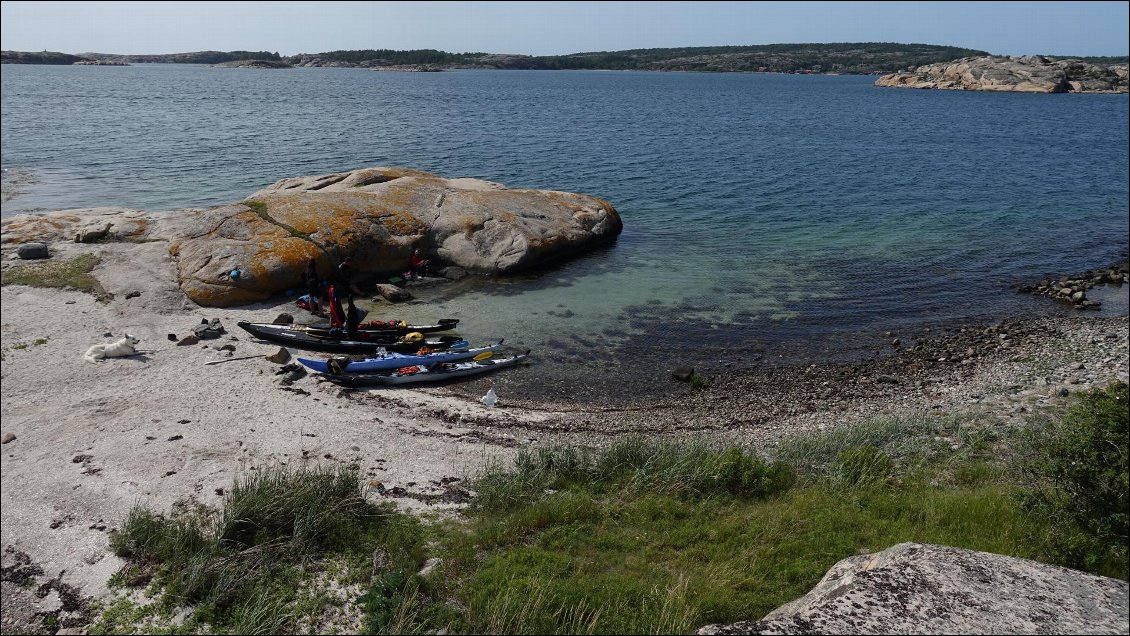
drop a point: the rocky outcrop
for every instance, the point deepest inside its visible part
(39, 57)
(1073, 289)
(253, 64)
(912, 588)
(1028, 74)
(247, 252)
(82, 225)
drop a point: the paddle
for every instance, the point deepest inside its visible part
(483, 356)
(232, 359)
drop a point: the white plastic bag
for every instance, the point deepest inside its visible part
(490, 398)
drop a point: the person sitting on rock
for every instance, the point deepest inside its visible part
(417, 265)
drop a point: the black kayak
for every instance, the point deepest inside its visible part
(336, 341)
(381, 328)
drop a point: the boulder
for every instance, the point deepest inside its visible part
(250, 251)
(93, 235)
(29, 251)
(392, 293)
(913, 588)
(378, 216)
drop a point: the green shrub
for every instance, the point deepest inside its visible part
(1081, 483)
(749, 476)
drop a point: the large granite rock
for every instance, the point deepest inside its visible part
(247, 252)
(1028, 74)
(912, 588)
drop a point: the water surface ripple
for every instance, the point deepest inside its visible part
(766, 217)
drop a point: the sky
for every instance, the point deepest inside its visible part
(556, 28)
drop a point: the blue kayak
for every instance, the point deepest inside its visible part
(435, 373)
(390, 361)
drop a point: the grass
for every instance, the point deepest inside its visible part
(653, 537)
(647, 536)
(73, 273)
(241, 567)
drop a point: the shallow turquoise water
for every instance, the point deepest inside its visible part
(766, 216)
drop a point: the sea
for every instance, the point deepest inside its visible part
(768, 219)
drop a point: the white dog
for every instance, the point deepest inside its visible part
(119, 349)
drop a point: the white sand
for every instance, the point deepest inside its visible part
(232, 416)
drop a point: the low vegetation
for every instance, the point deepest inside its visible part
(645, 536)
(858, 57)
(72, 273)
(864, 57)
(260, 209)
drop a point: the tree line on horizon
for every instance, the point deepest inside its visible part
(866, 57)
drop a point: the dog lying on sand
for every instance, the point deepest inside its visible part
(126, 346)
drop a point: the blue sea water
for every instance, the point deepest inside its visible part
(767, 217)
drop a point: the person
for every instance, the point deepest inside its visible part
(337, 316)
(313, 286)
(352, 317)
(417, 265)
(347, 277)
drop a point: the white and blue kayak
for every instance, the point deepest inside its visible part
(391, 360)
(434, 373)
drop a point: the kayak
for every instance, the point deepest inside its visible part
(434, 373)
(390, 361)
(299, 338)
(382, 328)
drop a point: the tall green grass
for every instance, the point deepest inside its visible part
(240, 567)
(652, 537)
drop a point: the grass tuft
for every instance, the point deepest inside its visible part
(240, 567)
(73, 273)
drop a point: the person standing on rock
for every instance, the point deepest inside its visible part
(347, 277)
(352, 318)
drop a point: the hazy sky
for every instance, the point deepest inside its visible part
(553, 28)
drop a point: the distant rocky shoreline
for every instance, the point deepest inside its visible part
(1027, 74)
(860, 58)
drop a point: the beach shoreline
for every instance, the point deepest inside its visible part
(169, 430)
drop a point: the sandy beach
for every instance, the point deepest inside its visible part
(167, 429)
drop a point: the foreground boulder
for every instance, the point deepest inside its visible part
(1028, 74)
(249, 251)
(912, 588)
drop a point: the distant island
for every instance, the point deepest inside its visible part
(1027, 74)
(858, 58)
(867, 58)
